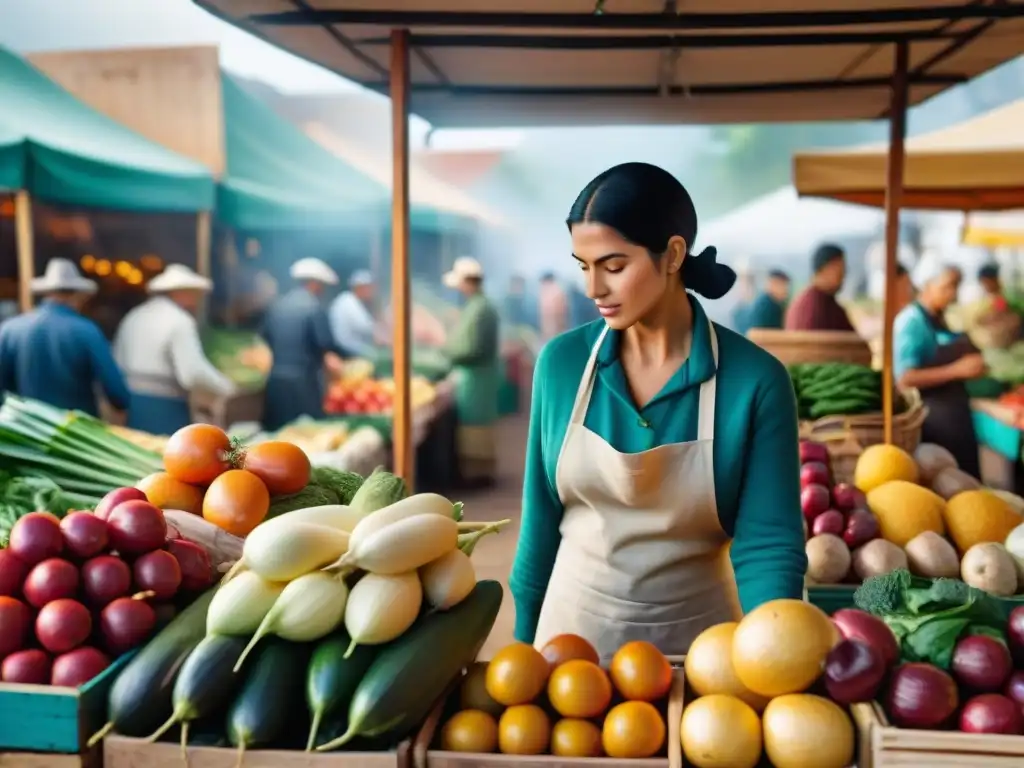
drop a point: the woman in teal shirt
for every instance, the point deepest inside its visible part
(656, 438)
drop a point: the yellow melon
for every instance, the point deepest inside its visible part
(883, 463)
(805, 731)
(709, 668)
(979, 517)
(905, 510)
(780, 647)
(720, 732)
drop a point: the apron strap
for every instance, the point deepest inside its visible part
(586, 389)
(706, 406)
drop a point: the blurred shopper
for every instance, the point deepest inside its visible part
(298, 332)
(932, 359)
(352, 322)
(473, 349)
(159, 349)
(769, 308)
(746, 293)
(990, 321)
(816, 308)
(515, 312)
(553, 307)
(56, 355)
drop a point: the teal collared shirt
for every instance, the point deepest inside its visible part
(756, 456)
(916, 340)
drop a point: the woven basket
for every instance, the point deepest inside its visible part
(846, 437)
(794, 347)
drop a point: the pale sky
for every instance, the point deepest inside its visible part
(28, 26)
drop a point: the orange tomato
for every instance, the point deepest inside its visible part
(516, 674)
(197, 454)
(641, 672)
(470, 731)
(633, 730)
(579, 689)
(283, 467)
(576, 738)
(562, 648)
(237, 501)
(167, 492)
(524, 730)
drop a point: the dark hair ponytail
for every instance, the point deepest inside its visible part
(648, 206)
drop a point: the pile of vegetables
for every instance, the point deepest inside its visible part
(78, 592)
(500, 706)
(1006, 365)
(375, 605)
(828, 389)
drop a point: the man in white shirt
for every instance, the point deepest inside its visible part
(159, 350)
(352, 323)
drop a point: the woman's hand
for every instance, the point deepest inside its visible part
(970, 366)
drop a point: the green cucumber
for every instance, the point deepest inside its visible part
(141, 696)
(205, 684)
(270, 696)
(333, 678)
(404, 681)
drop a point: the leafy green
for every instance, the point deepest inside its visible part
(20, 495)
(929, 616)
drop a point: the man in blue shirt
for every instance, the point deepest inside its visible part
(769, 308)
(56, 355)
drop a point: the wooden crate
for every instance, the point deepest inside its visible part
(423, 756)
(882, 745)
(52, 719)
(91, 759)
(122, 752)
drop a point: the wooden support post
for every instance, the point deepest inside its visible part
(25, 244)
(204, 237)
(404, 464)
(893, 199)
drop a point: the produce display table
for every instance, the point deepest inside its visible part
(1001, 444)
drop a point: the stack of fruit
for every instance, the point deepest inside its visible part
(76, 593)
(508, 705)
(371, 396)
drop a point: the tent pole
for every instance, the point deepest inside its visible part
(204, 235)
(24, 237)
(404, 465)
(893, 198)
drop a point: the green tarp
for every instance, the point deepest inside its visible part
(63, 151)
(277, 177)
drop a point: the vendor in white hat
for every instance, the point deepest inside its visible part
(299, 335)
(473, 349)
(352, 322)
(56, 355)
(158, 347)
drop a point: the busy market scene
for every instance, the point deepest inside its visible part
(430, 384)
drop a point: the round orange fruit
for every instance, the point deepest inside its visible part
(167, 492)
(563, 648)
(579, 688)
(470, 731)
(641, 672)
(576, 738)
(516, 675)
(633, 730)
(524, 730)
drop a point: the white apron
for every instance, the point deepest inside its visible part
(643, 555)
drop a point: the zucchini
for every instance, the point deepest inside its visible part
(205, 684)
(270, 696)
(140, 698)
(333, 678)
(404, 681)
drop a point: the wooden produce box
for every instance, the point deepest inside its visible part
(881, 745)
(122, 752)
(51, 719)
(424, 755)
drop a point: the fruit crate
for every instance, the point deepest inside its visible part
(424, 755)
(123, 752)
(882, 745)
(53, 719)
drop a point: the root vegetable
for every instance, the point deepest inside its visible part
(861, 527)
(877, 558)
(15, 624)
(240, 606)
(949, 482)
(931, 460)
(931, 555)
(13, 571)
(78, 667)
(848, 498)
(814, 473)
(126, 623)
(85, 535)
(828, 559)
(412, 506)
(105, 578)
(381, 608)
(991, 568)
(403, 546)
(194, 562)
(285, 552)
(36, 537)
(116, 497)
(157, 572)
(136, 527)
(31, 667)
(63, 625)
(812, 451)
(830, 521)
(50, 580)
(448, 580)
(814, 499)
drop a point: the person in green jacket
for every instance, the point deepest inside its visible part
(662, 480)
(474, 352)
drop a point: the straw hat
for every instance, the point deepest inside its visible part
(464, 267)
(313, 269)
(62, 275)
(178, 277)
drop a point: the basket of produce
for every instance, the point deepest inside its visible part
(557, 707)
(840, 406)
(796, 347)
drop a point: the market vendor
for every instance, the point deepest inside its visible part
(816, 308)
(158, 347)
(352, 322)
(473, 349)
(298, 332)
(930, 358)
(56, 355)
(635, 482)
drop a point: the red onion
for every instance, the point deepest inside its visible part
(1014, 688)
(812, 451)
(848, 498)
(854, 624)
(829, 521)
(992, 713)
(861, 527)
(853, 672)
(1015, 635)
(814, 473)
(921, 696)
(981, 664)
(814, 499)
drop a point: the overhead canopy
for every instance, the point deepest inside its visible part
(975, 165)
(605, 62)
(63, 151)
(994, 230)
(277, 177)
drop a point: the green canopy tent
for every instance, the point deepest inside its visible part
(55, 148)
